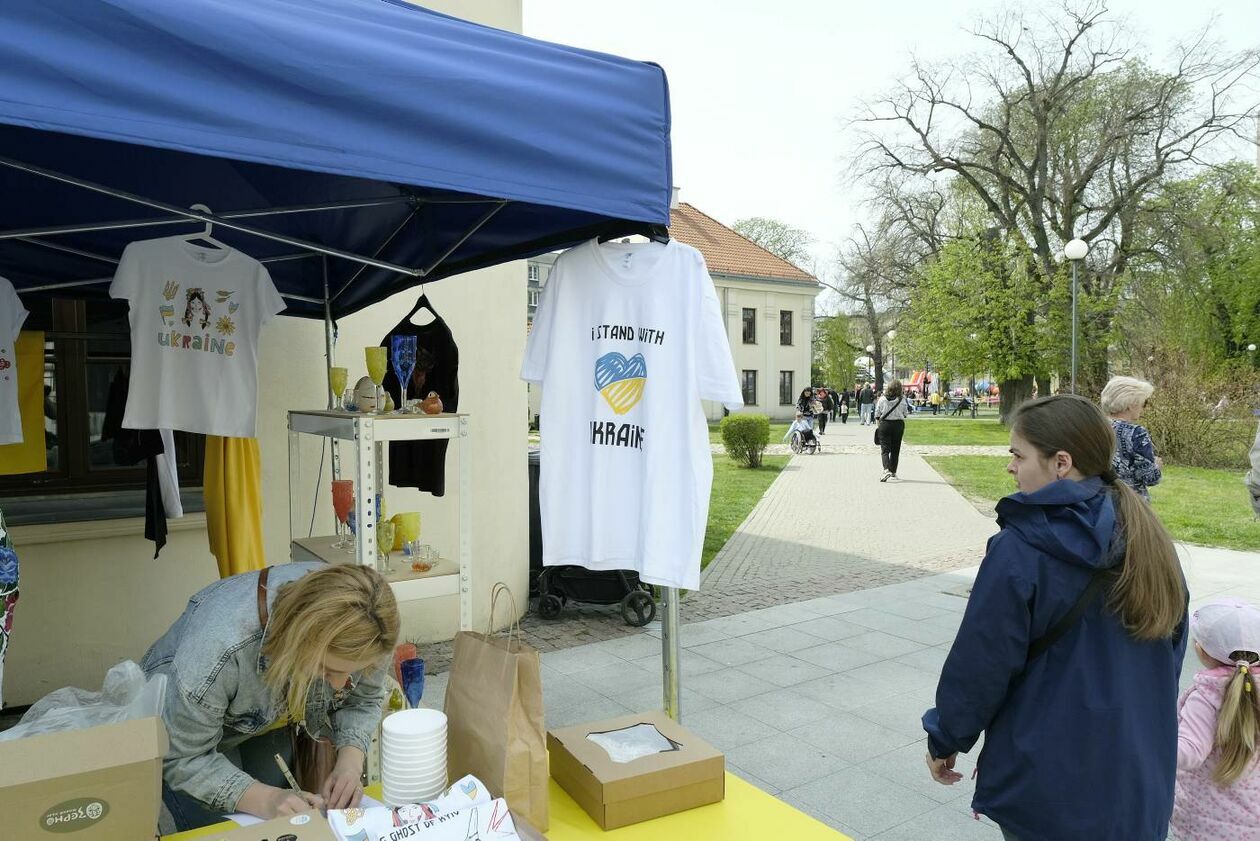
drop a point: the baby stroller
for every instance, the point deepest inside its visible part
(557, 585)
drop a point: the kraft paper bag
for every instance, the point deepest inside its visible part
(494, 709)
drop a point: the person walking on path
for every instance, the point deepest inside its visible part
(1218, 777)
(1070, 650)
(1123, 399)
(844, 398)
(866, 404)
(805, 406)
(823, 397)
(891, 411)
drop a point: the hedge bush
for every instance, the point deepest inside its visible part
(745, 437)
(1186, 427)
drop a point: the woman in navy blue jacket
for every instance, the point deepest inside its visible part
(1080, 736)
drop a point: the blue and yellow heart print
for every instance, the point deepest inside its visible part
(621, 380)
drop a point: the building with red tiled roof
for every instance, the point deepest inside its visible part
(769, 308)
(768, 304)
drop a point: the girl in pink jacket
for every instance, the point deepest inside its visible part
(1218, 774)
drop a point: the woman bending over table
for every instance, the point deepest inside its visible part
(303, 644)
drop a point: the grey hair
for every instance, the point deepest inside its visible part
(1124, 393)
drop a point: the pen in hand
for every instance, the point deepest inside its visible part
(288, 775)
(313, 799)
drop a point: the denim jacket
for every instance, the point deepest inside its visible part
(216, 697)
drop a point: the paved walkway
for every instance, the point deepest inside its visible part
(828, 525)
(819, 702)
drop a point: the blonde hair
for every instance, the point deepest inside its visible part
(1238, 722)
(1123, 393)
(1150, 595)
(347, 611)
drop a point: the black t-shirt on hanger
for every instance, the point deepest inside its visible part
(422, 464)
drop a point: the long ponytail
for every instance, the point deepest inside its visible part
(1238, 722)
(1150, 595)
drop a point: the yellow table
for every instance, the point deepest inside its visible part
(747, 814)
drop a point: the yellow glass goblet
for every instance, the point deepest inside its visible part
(337, 383)
(376, 366)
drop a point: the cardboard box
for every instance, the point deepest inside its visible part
(99, 784)
(307, 826)
(621, 793)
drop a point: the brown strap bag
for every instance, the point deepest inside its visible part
(313, 758)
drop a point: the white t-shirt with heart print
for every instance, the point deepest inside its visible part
(627, 340)
(12, 317)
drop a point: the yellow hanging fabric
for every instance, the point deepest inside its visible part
(233, 493)
(30, 456)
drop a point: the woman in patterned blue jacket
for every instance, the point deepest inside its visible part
(1135, 462)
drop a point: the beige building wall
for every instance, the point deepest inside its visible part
(92, 593)
(767, 356)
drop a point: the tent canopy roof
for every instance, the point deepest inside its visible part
(429, 126)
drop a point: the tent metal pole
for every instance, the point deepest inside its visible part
(379, 251)
(93, 227)
(671, 653)
(208, 217)
(486, 217)
(92, 255)
(330, 351)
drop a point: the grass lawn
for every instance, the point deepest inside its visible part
(986, 431)
(735, 491)
(777, 431)
(923, 429)
(1197, 505)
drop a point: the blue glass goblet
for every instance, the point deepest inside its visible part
(402, 351)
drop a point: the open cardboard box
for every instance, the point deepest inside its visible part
(99, 784)
(621, 793)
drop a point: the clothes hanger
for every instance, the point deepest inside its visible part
(423, 303)
(654, 232)
(207, 233)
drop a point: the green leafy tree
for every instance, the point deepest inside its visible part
(779, 238)
(1059, 131)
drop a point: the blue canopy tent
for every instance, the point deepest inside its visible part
(399, 144)
(356, 147)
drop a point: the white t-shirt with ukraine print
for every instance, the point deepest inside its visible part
(12, 317)
(196, 315)
(627, 340)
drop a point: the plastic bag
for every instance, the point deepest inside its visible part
(126, 694)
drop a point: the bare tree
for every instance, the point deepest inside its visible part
(1061, 131)
(871, 278)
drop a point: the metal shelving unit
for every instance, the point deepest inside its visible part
(367, 434)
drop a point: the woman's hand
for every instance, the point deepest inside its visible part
(344, 787)
(268, 802)
(942, 770)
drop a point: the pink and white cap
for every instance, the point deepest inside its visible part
(1225, 626)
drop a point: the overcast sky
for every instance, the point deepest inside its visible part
(761, 90)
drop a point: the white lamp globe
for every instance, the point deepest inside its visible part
(1076, 250)
(1252, 347)
(892, 334)
(870, 348)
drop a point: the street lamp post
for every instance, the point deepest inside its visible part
(1076, 250)
(892, 354)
